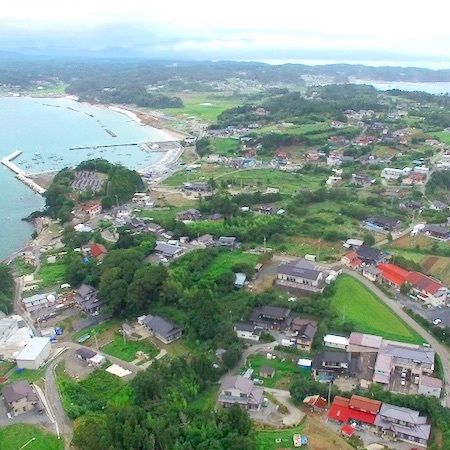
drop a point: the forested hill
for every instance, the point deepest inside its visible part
(25, 71)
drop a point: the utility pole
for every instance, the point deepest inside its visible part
(264, 244)
(318, 250)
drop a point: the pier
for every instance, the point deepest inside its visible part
(20, 174)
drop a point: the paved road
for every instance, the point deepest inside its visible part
(295, 416)
(442, 351)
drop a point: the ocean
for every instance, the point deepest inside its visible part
(45, 130)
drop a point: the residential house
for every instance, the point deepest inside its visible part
(439, 206)
(332, 340)
(414, 179)
(362, 179)
(383, 223)
(98, 251)
(203, 241)
(247, 331)
(328, 364)
(436, 231)
(389, 173)
(266, 372)
(39, 301)
(363, 343)
(240, 390)
(351, 260)
(86, 298)
(92, 210)
(162, 328)
(315, 402)
(228, 241)
(85, 353)
(403, 423)
(272, 318)
(168, 250)
(413, 205)
(370, 255)
(197, 186)
(300, 275)
(393, 275)
(20, 397)
(383, 368)
(305, 330)
(191, 215)
(355, 408)
(372, 273)
(267, 209)
(430, 386)
(353, 243)
(427, 290)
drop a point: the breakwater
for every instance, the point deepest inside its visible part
(20, 174)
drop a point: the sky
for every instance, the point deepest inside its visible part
(383, 32)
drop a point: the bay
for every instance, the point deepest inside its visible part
(44, 130)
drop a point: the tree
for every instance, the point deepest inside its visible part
(369, 239)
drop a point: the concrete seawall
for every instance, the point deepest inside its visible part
(20, 174)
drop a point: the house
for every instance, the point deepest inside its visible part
(162, 328)
(414, 205)
(436, 231)
(331, 340)
(86, 299)
(384, 223)
(92, 210)
(203, 241)
(372, 273)
(393, 275)
(403, 423)
(228, 241)
(438, 206)
(34, 354)
(85, 353)
(8, 328)
(355, 408)
(328, 364)
(362, 179)
(305, 331)
(190, 214)
(29, 257)
(383, 368)
(20, 397)
(247, 331)
(197, 186)
(39, 301)
(300, 275)
(427, 290)
(168, 250)
(430, 386)
(267, 209)
(389, 173)
(240, 390)
(272, 318)
(315, 402)
(98, 251)
(351, 260)
(363, 343)
(266, 372)
(370, 255)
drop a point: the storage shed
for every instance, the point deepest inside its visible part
(34, 354)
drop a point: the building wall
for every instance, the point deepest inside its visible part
(21, 406)
(429, 391)
(247, 335)
(38, 362)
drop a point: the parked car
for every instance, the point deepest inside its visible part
(437, 321)
(403, 382)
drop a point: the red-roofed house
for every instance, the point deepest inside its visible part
(339, 409)
(351, 260)
(315, 402)
(393, 275)
(281, 154)
(92, 210)
(347, 430)
(426, 289)
(364, 404)
(356, 408)
(97, 250)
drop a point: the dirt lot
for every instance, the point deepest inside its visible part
(75, 367)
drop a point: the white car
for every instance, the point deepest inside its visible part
(437, 321)
(403, 383)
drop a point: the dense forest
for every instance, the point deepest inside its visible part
(6, 289)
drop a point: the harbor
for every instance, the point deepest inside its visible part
(19, 173)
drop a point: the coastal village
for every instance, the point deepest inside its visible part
(331, 258)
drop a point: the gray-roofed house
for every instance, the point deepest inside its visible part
(85, 353)
(332, 363)
(227, 241)
(370, 255)
(439, 206)
(266, 372)
(300, 276)
(203, 241)
(403, 423)
(162, 328)
(430, 386)
(20, 397)
(87, 299)
(272, 318)
(247, 331)
(168, 250)
(384, 222)
(372, 273)
(240, 390)
(305, 331)
(436, 231)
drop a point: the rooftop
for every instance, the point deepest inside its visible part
(33, 348)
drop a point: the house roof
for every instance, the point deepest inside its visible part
(299, 268)
(348, 430)
(84, 290)
(369, 253)
(298, 323)
(423, 283)
(330, 356)
(306, 332)
(339, 409)
(161, 325)
(237, 382)
(33, 349)
(274, 311)
(168, 249)
(421, 355)
(316, 401)
(372, 270)
(85, 353)
(393, 273)
(384, 221)
(334, 339)
(97, 250)
(430, 382)
(18, 390)
(436, 229)
(243, 326)
(267, 370)
(365, 340)
(364, 404)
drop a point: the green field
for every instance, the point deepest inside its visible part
(278, 439)
(227, 261)
(17, 435)
(29, 375)
(283, 371)
(126, 350)
(355, 303)
(51, 274)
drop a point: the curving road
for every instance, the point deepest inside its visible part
(440, 350)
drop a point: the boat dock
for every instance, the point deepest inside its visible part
(20, 174)
(95, 147)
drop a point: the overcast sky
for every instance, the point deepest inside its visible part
(349, 31)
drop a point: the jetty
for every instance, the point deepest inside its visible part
(21, 174)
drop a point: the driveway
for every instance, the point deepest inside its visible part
(294, 416)
(396, 307)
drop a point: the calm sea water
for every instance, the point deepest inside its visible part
(432, 88)
(45, 130)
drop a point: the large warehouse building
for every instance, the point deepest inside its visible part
(34, 354)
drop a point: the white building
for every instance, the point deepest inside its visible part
(34, 354)
(430, 386)
(394, 174)
(331, 340)
(8, 327)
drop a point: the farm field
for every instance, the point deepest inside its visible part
(227, 261)
(319, 437)
(51, 275)
(356, 304)
(16, 435)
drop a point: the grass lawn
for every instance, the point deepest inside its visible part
(283, 371)
(204, 172)
(17, 435)
(29, 375)
(226, 146)
(100, 328)
(227, 260)
(51, 274)
(369, 314)
(5, 367)
(126, 351)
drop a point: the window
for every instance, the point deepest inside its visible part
(227, 393)
(243, 395)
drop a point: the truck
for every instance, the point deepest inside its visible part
(287, 343)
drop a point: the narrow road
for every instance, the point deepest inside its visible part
(440, 350)
(295, 416)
